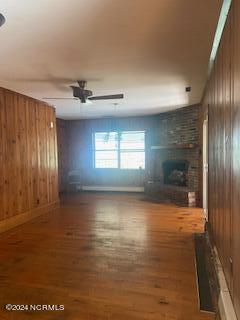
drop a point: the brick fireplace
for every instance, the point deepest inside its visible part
(175, 158)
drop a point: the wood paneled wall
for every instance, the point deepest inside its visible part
(81, 153)
(63, 154)
(222, 103)
(28, 158)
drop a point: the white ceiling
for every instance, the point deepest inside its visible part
(148, 50)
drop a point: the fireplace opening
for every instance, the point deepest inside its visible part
(175, 172)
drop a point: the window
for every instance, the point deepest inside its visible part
(122, 150)
(132, 150)
(106, 150)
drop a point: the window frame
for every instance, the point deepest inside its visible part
(119, 151)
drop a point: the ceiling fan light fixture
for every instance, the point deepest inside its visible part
(2, 19)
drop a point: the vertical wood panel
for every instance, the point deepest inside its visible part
(222, 100)
(28, 161)
(236, 157)
(2, 157)
(63, 153)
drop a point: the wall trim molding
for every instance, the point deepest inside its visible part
(22, 218)
(219, 31)
(112, 188)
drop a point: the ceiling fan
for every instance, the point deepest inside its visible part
(84, 95)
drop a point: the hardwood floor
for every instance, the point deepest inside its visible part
(103, 256)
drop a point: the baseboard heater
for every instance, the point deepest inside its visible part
(204, 288)
(111, 188)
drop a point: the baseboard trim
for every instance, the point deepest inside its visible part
(113, 188)
(225, 304)
(19, 219)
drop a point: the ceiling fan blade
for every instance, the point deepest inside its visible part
(107, 97)
(60, 98)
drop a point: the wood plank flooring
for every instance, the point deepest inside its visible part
(103, 256)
